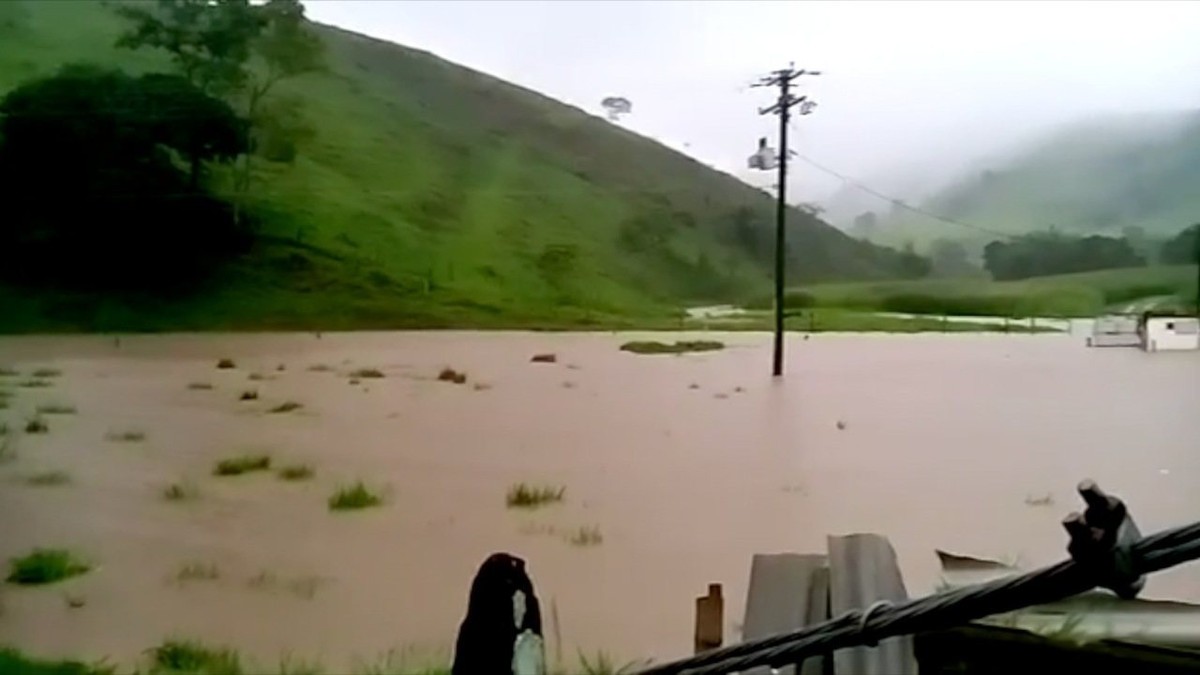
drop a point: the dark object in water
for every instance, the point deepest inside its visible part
(544, 358)
(501, 607)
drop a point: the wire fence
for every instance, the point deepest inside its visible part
(948, 609)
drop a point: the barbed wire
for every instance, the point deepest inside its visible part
(942, 610)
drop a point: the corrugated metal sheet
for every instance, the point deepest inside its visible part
(863, 570)
(787, 591)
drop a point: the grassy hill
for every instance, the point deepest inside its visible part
(1095, 177)
(433, 195)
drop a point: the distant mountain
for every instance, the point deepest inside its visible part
(1103, 176)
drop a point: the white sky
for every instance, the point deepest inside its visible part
(910, 90)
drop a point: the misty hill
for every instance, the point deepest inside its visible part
(430, 194)
(1098, 177)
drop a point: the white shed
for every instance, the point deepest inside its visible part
(1171, 333)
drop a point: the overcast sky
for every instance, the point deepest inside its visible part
(908, 88)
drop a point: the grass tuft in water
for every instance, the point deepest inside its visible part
(451, 375)
(56, 409)
(525, 496)
(587, 535)
(43, 373)
(236, 466)
(286, 407)
(249, 395)
(199, 386)
(367, 373)
(48, 479)
(226, 364)
(296, 472)
(197, 571)
(45, 566)
(9, 371)
(125, 436)
(194, 658)
(36, 425)
(353, 497)
(181, 491)
(8, 446)
(680, 347)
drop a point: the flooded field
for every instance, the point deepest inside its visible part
(676, 470)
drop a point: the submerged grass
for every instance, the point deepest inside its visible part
(679, 347)
(48, 478)
(236, 466)
(296, 472)
(526, 496)
(191, 657)
(56, 409)
(354, 497)
(36, 425)
(367, 373)
(181, 491)
(45, 566)
(125, 436)
(587, 535)
(286, 407)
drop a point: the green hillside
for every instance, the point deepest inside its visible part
(1100, 177)
(432, 195)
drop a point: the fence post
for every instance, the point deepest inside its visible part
(710, 619)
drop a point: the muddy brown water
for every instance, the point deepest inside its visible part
(943, 441)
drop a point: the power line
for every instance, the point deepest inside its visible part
(898, 202)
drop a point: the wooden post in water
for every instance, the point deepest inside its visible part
(710, 619)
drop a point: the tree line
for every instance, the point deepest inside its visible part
(1051, 252)
(123, 181)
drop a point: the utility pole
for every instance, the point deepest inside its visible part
(782, 107)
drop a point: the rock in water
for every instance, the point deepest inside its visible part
(502, 632)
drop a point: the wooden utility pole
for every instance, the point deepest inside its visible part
(782, 107)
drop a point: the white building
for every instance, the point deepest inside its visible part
(1115, 331)
(1170, 333)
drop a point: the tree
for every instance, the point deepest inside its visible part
(1045, 253)
(96, 196)
(1183, 248)
(209, 42)
(241, 52)
(912, 265)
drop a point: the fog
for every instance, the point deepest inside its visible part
(910, 91)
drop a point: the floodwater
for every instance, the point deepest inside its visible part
(686, 465)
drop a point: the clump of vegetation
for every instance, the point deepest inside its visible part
(36, 425)
(544, 358)
(481, 386)
(226, 364)
(320, 368)
(8, 371)
(588, 535)
(186, 656)
(296, 472)
(199, 386)
(679, 347)
(525, 496)
(35, 384)
(237, 466)
(367, 373)
(48, 479)
(43, 373)
(126, 436)
(56, 409)
(286, 407)
(8, 447)
(353, 497)
(182, 491)
(451, 375)
(256, 377)
(198, 572)
(249, 395)
(45, 566)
